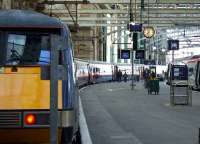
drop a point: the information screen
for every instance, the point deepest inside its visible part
(135, 27)
(149, 62)
(140, 54)
(125, 54)
(179, 72)
(173, 44)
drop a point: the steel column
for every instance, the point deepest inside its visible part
(53, 91)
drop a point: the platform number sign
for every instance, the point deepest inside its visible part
(173, 44)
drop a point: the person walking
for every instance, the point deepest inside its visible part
(120, 75)
(125, 77)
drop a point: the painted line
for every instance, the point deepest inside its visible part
(117, 89)
(128, 136)
(85, 135)
(82, 88)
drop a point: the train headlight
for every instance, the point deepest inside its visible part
(30, 119)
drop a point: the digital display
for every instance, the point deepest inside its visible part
(140, 54)
(149, 62)
(125, 54)
(173, 44)
(179, 72)
(134, 27)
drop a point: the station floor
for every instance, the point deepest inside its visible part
(117, 115)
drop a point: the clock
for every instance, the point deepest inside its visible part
(149, 31)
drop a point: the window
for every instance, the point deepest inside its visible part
(44, 57)
(27, 49)
(15, 48)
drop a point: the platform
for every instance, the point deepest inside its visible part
(117, 115)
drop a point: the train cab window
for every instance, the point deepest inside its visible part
(190, 71)
(15, 48)
(29, 49)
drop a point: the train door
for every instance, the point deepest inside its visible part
(115, 72)
(197, 77)
(153, 69)
(89, 74)
(112, 69)
(168, 75)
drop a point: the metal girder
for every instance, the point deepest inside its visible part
(52, 2)
(118, 11)
(151, 17)
(160, 13)
(178, 1)
(125, 19)
(121, 1)
(93, 24)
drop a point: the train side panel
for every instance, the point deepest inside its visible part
(101, 72)
(193, 70)
(83, 74)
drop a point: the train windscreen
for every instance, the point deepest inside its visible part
(27, 49)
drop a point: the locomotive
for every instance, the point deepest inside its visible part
(24, 78)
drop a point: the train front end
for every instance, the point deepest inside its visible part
(25, 79)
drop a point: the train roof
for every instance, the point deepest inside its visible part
(188, 58)
(27, 19)
(91, 61)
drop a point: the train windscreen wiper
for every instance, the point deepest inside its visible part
(14, 57)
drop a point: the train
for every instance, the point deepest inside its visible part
(193, 73)
(92, 72)
(26, 37)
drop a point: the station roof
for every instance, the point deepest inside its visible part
(157, 13)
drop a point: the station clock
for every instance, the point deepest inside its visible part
(149, 32)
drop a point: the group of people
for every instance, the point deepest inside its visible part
(148, 75)
(119, 76)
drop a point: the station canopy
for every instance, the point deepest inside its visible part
(157, 13)
(177, 19)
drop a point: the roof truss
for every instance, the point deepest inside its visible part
(159, 13)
